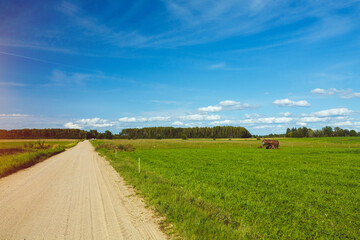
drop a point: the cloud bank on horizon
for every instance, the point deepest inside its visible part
(264, 65)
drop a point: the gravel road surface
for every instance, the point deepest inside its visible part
(73, 195)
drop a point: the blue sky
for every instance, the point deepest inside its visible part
(264, 65)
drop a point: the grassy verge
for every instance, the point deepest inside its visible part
(18, 155)
(207, 189)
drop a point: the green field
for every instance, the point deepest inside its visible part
(206, 189)
(19, 154)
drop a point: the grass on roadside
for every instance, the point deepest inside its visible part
(17, 155)
(308, 189)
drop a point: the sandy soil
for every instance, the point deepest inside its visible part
(74, 195)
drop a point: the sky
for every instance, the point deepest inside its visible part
(109, 65)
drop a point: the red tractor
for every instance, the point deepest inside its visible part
(270, 144)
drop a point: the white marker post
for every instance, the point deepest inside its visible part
(139, 165)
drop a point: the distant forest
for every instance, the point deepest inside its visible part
(43, 134)
(196, 132)
(170, 132)
(324, 132)
(130, 133)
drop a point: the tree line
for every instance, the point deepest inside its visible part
(196, 132)
(129, 133)
(324, 132)
(54, 133)
(169, 132)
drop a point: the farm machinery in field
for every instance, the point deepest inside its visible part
(270, 144)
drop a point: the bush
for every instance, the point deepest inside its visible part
(120, 147)
(184, 137)
(106, 146)
(126, 148)
(42, 145)
(158, 136)
(258, 138)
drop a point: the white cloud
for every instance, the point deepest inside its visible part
(251, 121)
(192, 124)
(348, 124)
(329, 117)
(89, 123)
(62, 78)
(212, 117)
(275, 120)
(262, 127)
(333, 112)
(234, 105)
(229, 103)
(253, 115)
(177, 123)
(92, 28)
(132, 119)
(72, 125)
(200, 117)
(210, 109)
(347, 94)
(215, 20)
(13, 115)
(341, 118)
(218, 65)
(267, 120)
(200, 22)
(289, 103)
(96, 122)
(226, 105)
(334, 77)
(313, 119)
(144, 119)
(160, 119)
(342, 124)
(285, 114)
(127, 119)
(224, 122)
(241, 106)
(320, 91)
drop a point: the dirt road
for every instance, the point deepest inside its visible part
(74, 195)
